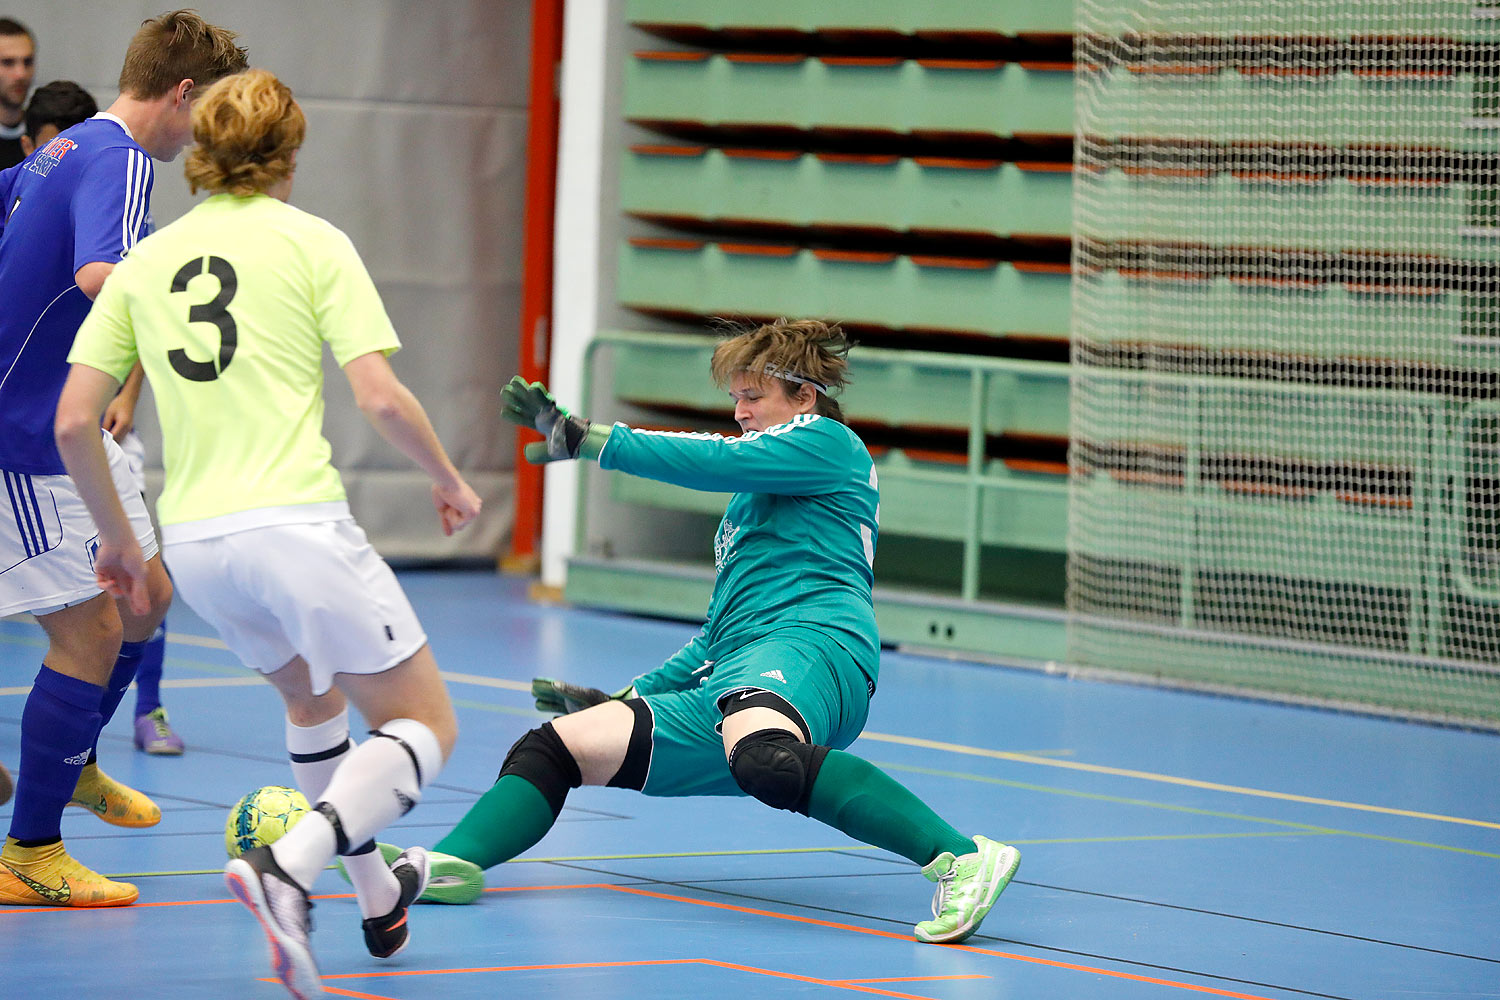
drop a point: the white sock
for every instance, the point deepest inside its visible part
(373, 786)
(316, 753)
(375, 887)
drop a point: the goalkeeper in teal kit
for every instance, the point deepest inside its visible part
(764, 699)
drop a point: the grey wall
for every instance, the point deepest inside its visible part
(416, 147)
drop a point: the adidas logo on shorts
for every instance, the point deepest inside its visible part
(775, 675)
(79, 759)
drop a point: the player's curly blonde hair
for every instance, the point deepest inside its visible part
(793, 352)
(247, 127)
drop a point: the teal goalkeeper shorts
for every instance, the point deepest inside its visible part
(803, 665)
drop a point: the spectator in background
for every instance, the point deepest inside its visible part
(17, 70)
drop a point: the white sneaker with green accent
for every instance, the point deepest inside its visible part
(453, 880)
(968, 886)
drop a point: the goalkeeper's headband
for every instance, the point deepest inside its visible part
(790, 376)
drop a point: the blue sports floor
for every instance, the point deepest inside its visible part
(1175, 845)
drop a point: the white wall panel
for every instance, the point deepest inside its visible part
(416, 148)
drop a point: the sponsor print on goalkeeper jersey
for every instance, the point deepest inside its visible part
(796, 545)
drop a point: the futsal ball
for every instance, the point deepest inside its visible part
(262, 817)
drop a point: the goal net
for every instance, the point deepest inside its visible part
(1285, 441)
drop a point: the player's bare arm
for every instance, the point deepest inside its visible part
(399, 417)
(119, 564)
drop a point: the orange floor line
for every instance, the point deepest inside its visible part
(835, 983)
(914, 978)
(341, 992)
(508, 968)
(1133, 977)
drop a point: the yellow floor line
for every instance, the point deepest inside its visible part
(1168, 779)
(1299, 828)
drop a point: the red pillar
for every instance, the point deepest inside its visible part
(536, 269)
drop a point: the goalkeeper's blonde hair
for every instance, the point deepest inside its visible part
(792, 352)
(247, 127)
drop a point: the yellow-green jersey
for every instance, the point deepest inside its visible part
(228, 309)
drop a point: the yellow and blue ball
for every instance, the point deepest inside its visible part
(262, 817)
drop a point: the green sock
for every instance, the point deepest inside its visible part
(509, 818)
(855, 796)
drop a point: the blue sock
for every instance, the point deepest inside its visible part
(58, 727)
(148, 677)
(126, 665)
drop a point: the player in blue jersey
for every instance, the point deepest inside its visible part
(763, 700)
(55, 107)
(71, 211)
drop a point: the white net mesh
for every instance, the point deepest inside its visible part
(1286, 433)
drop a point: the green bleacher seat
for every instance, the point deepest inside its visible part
(886, 288)
(799, 91)
(1338, 108)
(853, 189)
(1316, 321)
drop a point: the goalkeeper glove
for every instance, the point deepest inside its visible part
(567, 436)
(562, 698)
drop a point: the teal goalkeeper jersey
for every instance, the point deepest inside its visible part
(796, 545)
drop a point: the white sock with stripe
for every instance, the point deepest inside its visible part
(316, 752)
(375, 784)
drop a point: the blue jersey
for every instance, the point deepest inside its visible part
(796, 545)
(83, 198)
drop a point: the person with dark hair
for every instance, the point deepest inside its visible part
(17, 71)
(55, 107)
(762, 701)
(72, 211)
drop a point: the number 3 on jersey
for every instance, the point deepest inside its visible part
(215, 311)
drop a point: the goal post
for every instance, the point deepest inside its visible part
(1285, 444)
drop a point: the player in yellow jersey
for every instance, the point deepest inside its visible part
(228, 310)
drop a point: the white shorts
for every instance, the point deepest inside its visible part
(48, 539)
(135, 458)
(319, 591)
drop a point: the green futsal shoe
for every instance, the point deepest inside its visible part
(453, 880)
(967, 887)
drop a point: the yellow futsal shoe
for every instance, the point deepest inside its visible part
(111, 801)
(48, 876)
